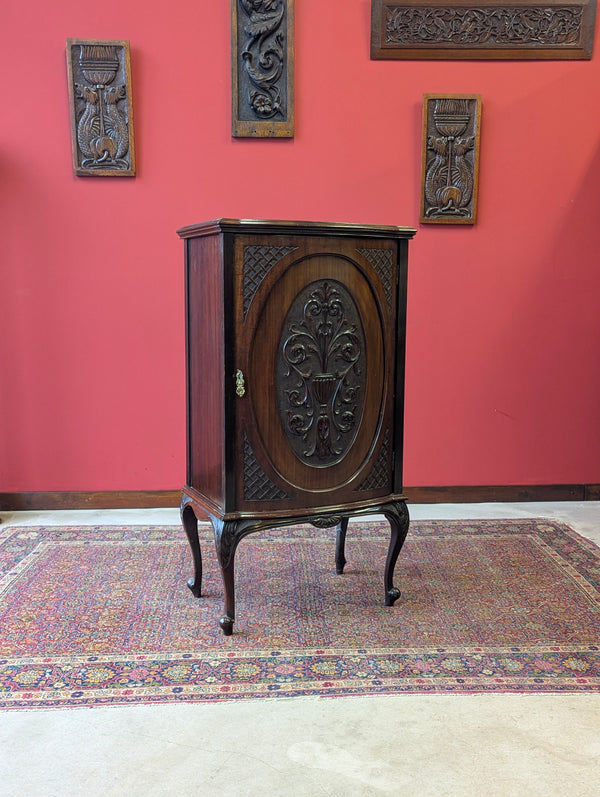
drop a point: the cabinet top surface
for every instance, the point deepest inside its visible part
(247, 226)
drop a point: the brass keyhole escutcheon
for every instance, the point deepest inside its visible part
(240, 385)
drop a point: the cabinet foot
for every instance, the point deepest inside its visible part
(392, 596)
(226, 624)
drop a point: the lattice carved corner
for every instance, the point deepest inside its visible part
(379, 477)
(258, 261)
(257, 485)
(382, 261)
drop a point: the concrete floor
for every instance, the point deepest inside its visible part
(475, 745)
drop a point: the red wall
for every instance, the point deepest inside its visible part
(503, 356)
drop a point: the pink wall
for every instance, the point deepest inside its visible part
(503, 360)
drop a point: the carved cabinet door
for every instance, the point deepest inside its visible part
(319, 406)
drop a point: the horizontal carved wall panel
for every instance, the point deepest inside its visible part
(452, 29)
(262, 68)
(99, 76)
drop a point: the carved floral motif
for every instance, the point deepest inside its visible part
(484, 30)
(263, 56)
(320, 368)
(487, 25)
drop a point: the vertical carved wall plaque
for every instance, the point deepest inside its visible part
(450, 159)
(99, 75)
(262, 68)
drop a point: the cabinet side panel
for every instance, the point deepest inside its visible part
(205, 368)
(400, 365)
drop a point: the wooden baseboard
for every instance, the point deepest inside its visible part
(483, 494)
(151, 499)
(101, 499)
(592, 492)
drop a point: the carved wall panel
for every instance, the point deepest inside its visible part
(450, 158)
(262, 68)
(99, 74)
(451, 29)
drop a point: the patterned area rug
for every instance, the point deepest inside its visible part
(101, 615)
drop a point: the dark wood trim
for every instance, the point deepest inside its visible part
(495, 493)
(101, 499)
(155, 499)
(592, 492)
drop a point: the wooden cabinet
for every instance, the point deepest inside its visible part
(295, 382)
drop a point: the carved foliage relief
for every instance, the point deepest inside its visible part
(321, 372)
(262, 64)
(450, 159)
(101, 107)
(452, 29)
(494, 26)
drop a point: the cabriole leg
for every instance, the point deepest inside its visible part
(398, 518)
(340, 546)
(226, 541)
(190, 525)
